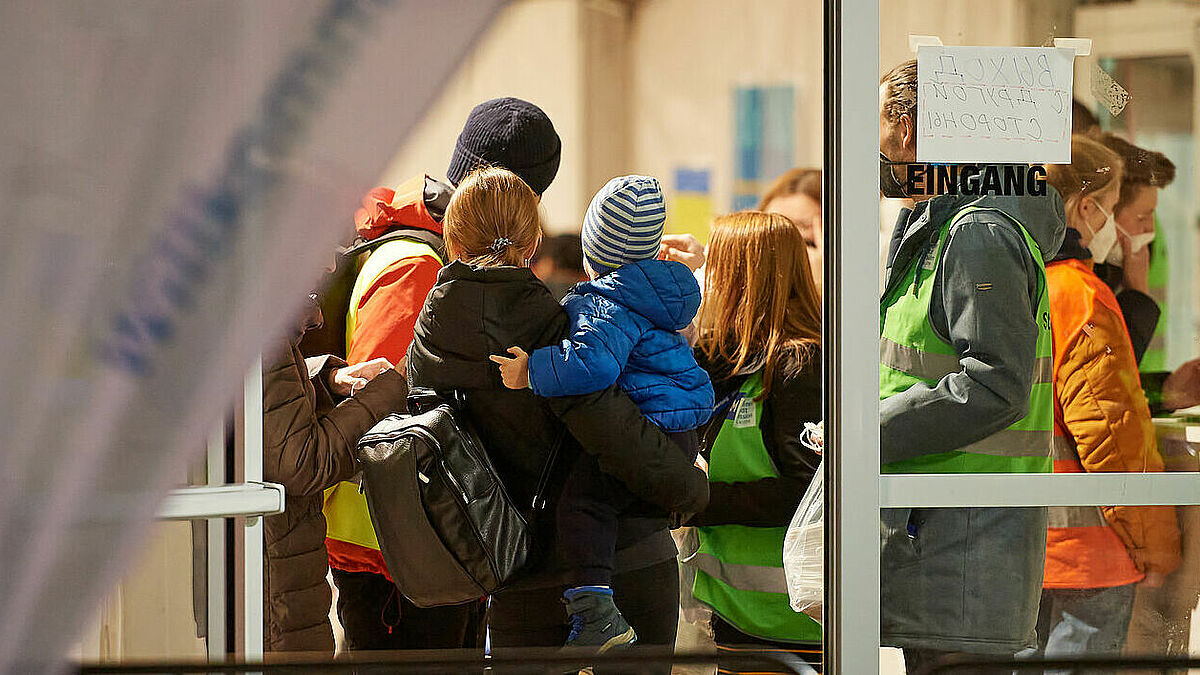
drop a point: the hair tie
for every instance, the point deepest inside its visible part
(500, 244)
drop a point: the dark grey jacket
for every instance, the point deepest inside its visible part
(968, 579)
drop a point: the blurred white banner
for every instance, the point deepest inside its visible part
(172, 178)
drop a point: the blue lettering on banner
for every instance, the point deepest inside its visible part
(172, 272)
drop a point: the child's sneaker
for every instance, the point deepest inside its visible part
(595, 619)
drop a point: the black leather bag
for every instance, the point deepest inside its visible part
(448, 531)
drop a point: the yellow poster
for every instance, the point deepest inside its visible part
(691, 208)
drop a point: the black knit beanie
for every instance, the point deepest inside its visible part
(511, 134)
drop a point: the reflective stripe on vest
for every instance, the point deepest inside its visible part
(757, 578)
(1066, 460)
(347, 517)
(739, 570)
(1077, 516)
(1082, 549)
(911, 352)
(933, 367)
(377, 263)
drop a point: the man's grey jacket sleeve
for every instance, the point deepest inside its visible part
(984, 304)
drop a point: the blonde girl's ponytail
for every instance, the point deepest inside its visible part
(492, 220)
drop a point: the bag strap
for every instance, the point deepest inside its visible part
(539, 494)
(421, 399)
(431, 239)
(709, 431)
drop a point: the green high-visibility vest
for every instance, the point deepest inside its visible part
(739, 569)
(1155, 358)
(911, 352)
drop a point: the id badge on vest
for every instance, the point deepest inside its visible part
(931, 259)
(743, 412)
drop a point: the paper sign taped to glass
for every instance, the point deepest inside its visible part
(994, 104)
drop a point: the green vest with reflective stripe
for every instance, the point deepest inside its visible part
(1155, 358)
(739, 569)
(911, 352)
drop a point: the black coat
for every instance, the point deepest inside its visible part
(472, 313)
(795, 398)
(1140, 311)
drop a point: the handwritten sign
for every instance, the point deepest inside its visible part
(994, 104)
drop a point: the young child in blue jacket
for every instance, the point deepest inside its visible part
(625, 330)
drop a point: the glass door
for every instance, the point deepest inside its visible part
(1140, 56)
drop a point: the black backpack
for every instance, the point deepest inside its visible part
(448, 531)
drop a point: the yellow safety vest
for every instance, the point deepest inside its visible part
(346, 515)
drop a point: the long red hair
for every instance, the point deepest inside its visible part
(761, 309)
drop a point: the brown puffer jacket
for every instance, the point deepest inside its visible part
(308, 443)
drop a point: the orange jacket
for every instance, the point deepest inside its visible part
(387, 312)
(1102, 423)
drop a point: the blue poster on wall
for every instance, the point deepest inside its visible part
(764, 119)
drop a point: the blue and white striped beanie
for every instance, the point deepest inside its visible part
(624, 222)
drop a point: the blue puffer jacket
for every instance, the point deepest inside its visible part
(625, 329)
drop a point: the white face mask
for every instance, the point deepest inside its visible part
(1137, 242)
(1104, 240)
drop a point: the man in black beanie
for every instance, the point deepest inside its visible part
(511, 134)
(389, 293)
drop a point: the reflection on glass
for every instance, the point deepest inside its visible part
(1094, 555)
(1124, 296)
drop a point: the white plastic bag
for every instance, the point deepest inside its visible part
(804, 550)
(691, 610)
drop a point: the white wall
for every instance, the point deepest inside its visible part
(683, 59)
(688, 57)
(148, 616)
(997, 22)
(531, 52)
(659, 94)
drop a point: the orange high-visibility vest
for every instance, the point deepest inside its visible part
(1082, 550)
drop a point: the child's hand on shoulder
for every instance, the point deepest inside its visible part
(515, 371)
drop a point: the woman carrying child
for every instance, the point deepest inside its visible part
(625, 330)
(488, 300)
(760, 341)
